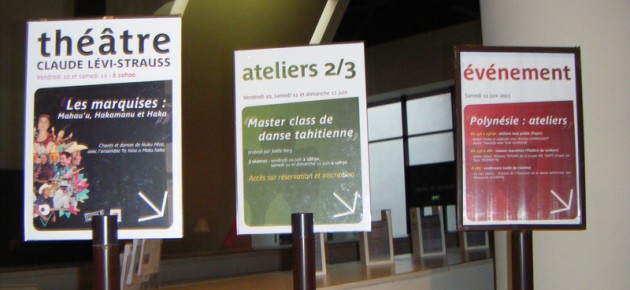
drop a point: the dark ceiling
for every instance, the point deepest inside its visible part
(380, 21)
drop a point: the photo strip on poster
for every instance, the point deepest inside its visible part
(520, 141)
(102, 128)
(301, 129)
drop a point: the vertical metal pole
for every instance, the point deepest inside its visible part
(105, 253)
(522, 261)
(303, 251)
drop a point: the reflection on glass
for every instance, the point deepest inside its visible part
(384, 122)
(435, 148)
(429, 114)
(387, 183)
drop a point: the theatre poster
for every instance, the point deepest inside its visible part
(102, 127)
(301, 131)
(520, 154)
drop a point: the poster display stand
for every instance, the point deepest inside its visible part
(470, 240)
(140, 264)
(427, 231)
(474, 240)
(301, 148)
(377, 247)
(474, 244)
(102, 155)
(321, 254)
(301, 138)
(102, 128)
(520, 153)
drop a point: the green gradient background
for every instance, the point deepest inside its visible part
(270, 203)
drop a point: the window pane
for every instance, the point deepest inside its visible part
(387, 183)
(451, 218)
(384, 122)
(435, 148)
(429, 114)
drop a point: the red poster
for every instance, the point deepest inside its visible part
(524, 169)
(519, 145)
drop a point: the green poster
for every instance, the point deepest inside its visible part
(301, 130)
(302, 157)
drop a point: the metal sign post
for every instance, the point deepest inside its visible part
(520, 153)
(303, 251)
(105, 253)
(522, 261)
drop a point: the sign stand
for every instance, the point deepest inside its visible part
(522, 261)
(303, 251)
(321, 254)
(301, 138)
(474, 244)
(140, 264)
(106, 121)
(105, 253)
(427, 232)
(520, 153)
(377, 247)
(474, 240)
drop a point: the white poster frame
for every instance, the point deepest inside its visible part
(296, 76)
(537, 77)
(96, 53)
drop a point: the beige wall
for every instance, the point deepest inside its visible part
(599, 257)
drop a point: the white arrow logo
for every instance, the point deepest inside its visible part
(567, 206)
(352, 209)
(159, 213)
